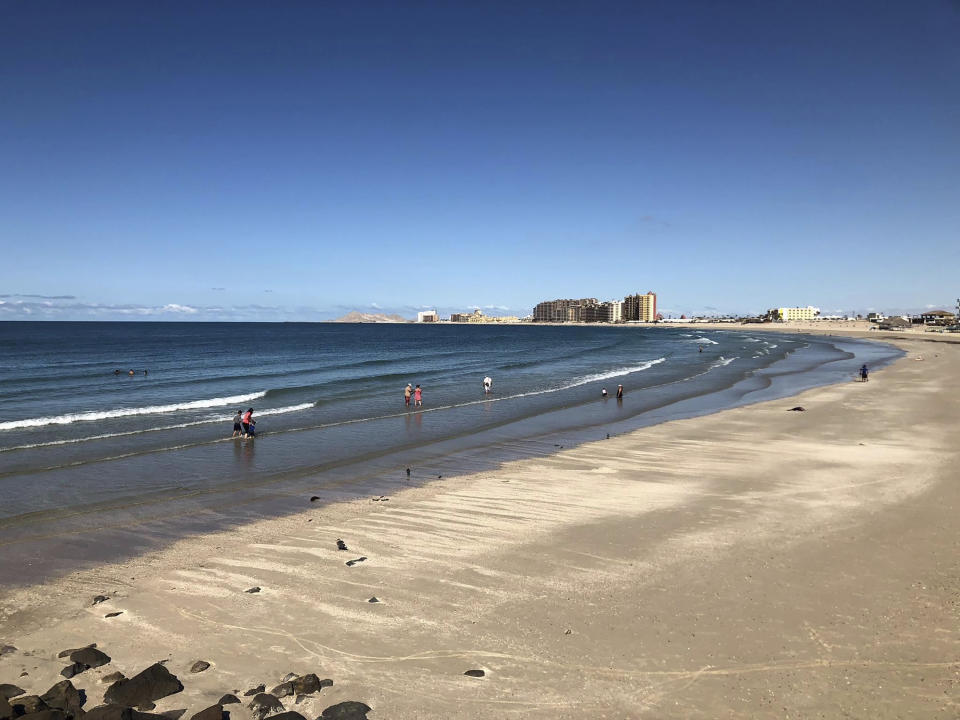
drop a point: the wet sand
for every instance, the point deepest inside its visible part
(753, 563)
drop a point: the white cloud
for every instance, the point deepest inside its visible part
(175, 308)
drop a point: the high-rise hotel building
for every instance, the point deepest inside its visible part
(640, 308)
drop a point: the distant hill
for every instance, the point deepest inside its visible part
(362, 317)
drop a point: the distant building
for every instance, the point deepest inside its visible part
(428, 316)
(561, 311)
(613, 311)
(796, 314)
(937, 317)
(477, 317)
(640, 308)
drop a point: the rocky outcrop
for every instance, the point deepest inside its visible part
(143, 688)
(264, 704)
(349, 710)
(84, 659)
(64, 696)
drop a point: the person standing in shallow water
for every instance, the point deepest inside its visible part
(418, 397)
(407, 392)
(237, 426)
(864, 373)
(245, 421)
(619, 392)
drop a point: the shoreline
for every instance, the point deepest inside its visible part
(752, 562)
(86, 535)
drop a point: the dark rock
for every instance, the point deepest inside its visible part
(177, 714)
(475, 673)
(99, 599)
(306, 685)
(264, 704)
(300, 699)
(228, 700)
(254, 589)
(68, 653)
(6, 711)
(83, 660)
(341, 545)
(326, 682)
(374, 599)
(283, 690)
(118, 712)
(254, 691)
(214, 712)
(47, 715)
(349, 710)
(798, 408)
(10, 691)
(143, 688)
(113, 677)
(351, 563)
(114, 614)
(289, 676)
(314, 498)
(288, 715)
(149, 706)
(27, 704)
(64, 696)
(199, 666)
(7, 649)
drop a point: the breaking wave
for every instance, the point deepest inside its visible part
(71, 418)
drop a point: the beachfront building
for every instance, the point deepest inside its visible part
(794, 314)
(640, 308)
(561, 311)
(477, 318)
(937, 317)
(428, 316)
(613, 311)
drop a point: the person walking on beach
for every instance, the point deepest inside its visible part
(418, 397)
(237, 427)
(407, 392)
(619, 392)
(864, 373)
(246, 420)
(487, 385)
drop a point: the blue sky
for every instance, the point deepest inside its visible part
(297, 160)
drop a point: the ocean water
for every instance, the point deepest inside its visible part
(80, 444)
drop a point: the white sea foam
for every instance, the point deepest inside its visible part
(129, 412)
(723, 362)
(576, 382)
(704, 340)
(207, 421)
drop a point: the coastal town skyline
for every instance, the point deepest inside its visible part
(242, 163)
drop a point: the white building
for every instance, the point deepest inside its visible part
(428, 316)
(613, 310)
(791, 314)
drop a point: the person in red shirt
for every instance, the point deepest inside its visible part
(246, 421)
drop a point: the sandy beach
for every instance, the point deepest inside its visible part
(755, 563)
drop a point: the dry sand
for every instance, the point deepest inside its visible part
(753, 563)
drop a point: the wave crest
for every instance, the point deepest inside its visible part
(71, 418)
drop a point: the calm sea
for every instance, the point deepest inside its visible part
(80, 443)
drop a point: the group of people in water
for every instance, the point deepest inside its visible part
(603, 392)
(413, 392)
(244, 425)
